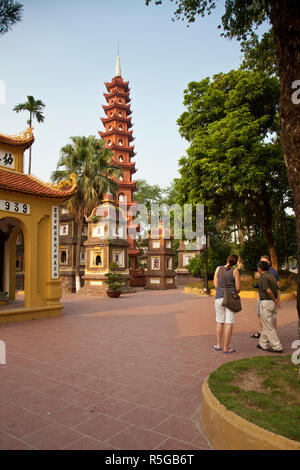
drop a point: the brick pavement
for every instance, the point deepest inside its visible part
(118, 373)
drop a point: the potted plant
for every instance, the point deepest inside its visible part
(114, 281)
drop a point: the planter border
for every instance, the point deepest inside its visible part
(228, 431)
(244, 294)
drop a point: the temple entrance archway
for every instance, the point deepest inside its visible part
(11, 262)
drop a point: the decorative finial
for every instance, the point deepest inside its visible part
(118, 67)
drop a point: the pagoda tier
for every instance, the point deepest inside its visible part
(129, 167)
(122, 107)
(128, 184)
(117, 82)
(117, 95)
(120, 148)
(114, 132)
(114, 117)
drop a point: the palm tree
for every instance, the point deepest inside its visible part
(35, 108)
(10, 14)
(89, 161)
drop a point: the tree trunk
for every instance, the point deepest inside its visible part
(248, 232)
(266, 227)
(286, 250)
(29, 163)
(78, 246)
(265, 219)
(241, 235)
(272, 248)
(285, 19)
(234, 235)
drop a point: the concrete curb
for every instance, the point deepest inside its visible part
(244, 294)
(34, 313)
(228, 431)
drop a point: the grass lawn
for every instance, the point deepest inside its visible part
(262, 390)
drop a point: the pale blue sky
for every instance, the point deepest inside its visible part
(64, 50)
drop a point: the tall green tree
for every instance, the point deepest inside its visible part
(35, 109)
(234, 154)
(89, 161)
(260, 54)
(236, 221)
(240, 20)
(10, 14)
(148, 194)
(153, 194)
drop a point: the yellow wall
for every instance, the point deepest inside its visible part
(41, 291)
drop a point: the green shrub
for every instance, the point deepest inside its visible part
(217, 256)
(114, 280)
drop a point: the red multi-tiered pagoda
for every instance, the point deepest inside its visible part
(119, 137)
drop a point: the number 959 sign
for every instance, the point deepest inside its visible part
(16, 207)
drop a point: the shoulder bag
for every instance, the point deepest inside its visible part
(232, 301)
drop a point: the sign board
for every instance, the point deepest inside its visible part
(55, 242)
(7, 160)
(15, 207)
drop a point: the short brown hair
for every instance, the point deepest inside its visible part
(266, 257)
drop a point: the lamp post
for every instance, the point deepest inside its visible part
(206, 288)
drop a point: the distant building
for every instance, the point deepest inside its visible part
(186, 252)
(160, 274)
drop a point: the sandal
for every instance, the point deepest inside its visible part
(229, 351)
(256, 335)
(216, 349)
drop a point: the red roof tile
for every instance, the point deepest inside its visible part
(24, 139)
(19, 182)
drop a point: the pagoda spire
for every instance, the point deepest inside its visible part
(118, 137)
(118, 67)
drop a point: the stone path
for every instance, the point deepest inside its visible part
(118, 373)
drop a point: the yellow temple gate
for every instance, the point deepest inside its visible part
(30, 206)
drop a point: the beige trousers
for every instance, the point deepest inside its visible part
(268, 337)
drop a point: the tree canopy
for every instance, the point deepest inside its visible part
(260, 54)
(148, 194)
(10, 14)
(88, 161)
(232, 125)
(35, 109)
(241, 21)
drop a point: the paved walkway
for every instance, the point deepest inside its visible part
(118, 373)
